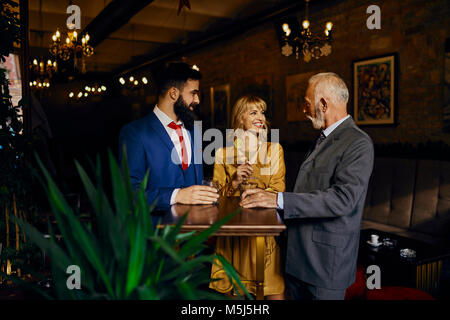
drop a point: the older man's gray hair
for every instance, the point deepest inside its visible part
(331, 85)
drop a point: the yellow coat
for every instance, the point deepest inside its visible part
(269, 169)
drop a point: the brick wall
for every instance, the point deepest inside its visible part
(416, 30)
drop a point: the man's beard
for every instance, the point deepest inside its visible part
(183, 112)
(318, 121)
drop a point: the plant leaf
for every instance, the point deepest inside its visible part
(192, 246)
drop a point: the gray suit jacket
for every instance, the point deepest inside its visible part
(323, 214)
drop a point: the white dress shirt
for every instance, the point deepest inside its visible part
(166, 120)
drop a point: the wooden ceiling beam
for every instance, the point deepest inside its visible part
(114, 16)
(269, 15)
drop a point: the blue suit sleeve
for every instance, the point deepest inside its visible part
(137, 163)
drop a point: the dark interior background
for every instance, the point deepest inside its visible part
(415, 30)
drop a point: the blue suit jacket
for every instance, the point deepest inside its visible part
(149, 146)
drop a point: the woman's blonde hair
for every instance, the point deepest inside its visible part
(242, 105)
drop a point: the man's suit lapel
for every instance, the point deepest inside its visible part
(191, 137)
(329, 140)
(162, 133)
(160, 130)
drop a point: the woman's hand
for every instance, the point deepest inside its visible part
(243, 172)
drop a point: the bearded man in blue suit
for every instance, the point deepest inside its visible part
(163, 143)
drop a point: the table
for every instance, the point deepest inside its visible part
(256, 222)
(422, 272)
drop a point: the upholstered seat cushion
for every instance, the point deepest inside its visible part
(410, 198)
(390, 195)
(431, 210)
(358, 289)
(397, 293)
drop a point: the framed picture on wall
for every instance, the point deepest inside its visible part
(375, 90)
(296, 85)
(220, 106)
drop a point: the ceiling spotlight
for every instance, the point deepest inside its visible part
(144, 80)
(122, 80)
(103, 88)
(131, 79)
(136, 82)
(85, 94)
(80, 94)
(87, 88)
(71, 95)
(195, 67)
(99, 90)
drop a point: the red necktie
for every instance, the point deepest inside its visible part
(184, 157)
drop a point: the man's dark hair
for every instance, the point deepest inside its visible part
(176, 75)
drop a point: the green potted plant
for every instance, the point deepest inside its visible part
(121, 254)
(15, 146)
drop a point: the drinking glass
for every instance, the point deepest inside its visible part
(249, 183)
(211, 183)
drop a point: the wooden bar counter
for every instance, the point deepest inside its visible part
(256, 222)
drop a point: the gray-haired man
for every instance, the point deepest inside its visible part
(323, 214)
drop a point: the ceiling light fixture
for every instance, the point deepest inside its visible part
(134, 82)
(311, 46)
(71, 48)
(93, 90)
(41, 71)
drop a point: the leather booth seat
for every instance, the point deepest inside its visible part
(410, 198)
(407, 197)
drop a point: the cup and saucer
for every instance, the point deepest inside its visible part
(374, 241)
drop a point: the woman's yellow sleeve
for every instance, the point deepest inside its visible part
(277, 180)
(221, 176)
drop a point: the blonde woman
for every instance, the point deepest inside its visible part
(250, 159)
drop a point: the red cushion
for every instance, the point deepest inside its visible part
(358, 288)
(397, 293)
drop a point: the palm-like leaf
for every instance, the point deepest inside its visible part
(124, 255)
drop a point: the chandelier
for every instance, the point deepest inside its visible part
(41, 71)
(133, 83)
(303, 40)
(94, 90)
(71, 48)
